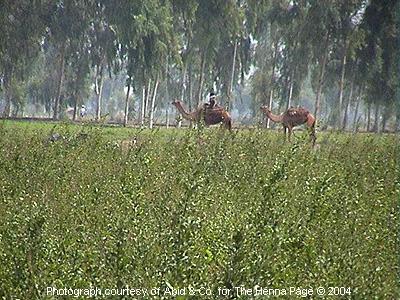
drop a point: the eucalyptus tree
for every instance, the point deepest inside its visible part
(206, 31)
(21, 25)
(183, 22)
(217, 28)
(379, 57)
(69, 20)
(397, 92)
(77, 73)
(353, 76)
(282, 54)
(342, 78)
(293, 51)
(41, 82)
(103, 53)
(229, 41)
(297, 51)
(145, 37)
(346, 38)
(259, 22)
(319, 30)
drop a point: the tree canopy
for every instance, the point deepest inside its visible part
(339, 59)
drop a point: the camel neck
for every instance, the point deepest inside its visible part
(184, 113)
(274, 118)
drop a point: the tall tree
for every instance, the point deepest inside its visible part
(103, 51)
(379, 58)
(319, 30)
(68, 22)
(21, 28)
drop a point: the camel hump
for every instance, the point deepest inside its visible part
(215, 109)
(293, 111)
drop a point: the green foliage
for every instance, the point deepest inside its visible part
(194, 46)
(200, 208)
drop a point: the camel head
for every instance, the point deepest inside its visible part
(176, 102)
(185, 114)
(265, 109)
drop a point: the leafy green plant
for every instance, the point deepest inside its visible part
(196, 208)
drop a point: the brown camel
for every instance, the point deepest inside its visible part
(291, 118)
(210, 116)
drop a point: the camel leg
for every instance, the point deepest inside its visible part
(312, 136)
(284, 131)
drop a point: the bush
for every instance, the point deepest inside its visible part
(196, 208)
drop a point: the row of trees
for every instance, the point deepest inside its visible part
(338, 57)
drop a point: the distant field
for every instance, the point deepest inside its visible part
(85, 206)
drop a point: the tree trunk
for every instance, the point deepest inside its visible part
(291, 76)
(183, 83)
(272, 81)
(146, 104)
(384, 121)
(99, 93)
(167, 100)
(201, 79)
(376, 120)
(346, 109)
(167, 117)
(190, 88)
(16, 109)
(190, 92)
(341, 85)
(385, 117)
(321, 77)
(355, 125)
(183, 91)
(7, 93)
(127, 105)
(60, 82)
(369, 117)
(143, 106)
(75, 107)
(289, 101)
(230, 91)
(153, 102)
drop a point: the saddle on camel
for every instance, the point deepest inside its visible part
(211, 113)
